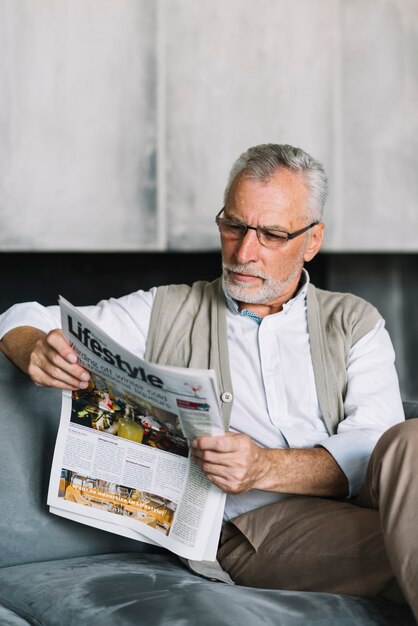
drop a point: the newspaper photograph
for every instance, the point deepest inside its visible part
(122, 461)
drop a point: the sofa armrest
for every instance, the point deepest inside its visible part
(410, 409)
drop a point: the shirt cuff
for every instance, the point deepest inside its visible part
(351, 450)
(29, 314)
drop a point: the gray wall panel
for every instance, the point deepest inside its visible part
(380, 126)
(120, 119)
(238, 75)
(77, 124)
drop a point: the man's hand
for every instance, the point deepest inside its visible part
(47, 358)
(232, 462)
(235, 463)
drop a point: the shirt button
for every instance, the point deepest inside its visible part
(226, 396)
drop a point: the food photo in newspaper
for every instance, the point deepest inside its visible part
(121, 460)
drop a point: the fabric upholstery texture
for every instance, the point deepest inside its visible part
(123, 590)
(9, 618)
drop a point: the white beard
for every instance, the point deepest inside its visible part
(270, 290)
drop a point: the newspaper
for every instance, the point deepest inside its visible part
(122, 461)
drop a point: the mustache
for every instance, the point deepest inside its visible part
(244, 268)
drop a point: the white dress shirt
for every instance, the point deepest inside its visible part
(275, 399)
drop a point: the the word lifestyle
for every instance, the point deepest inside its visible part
(84, 335)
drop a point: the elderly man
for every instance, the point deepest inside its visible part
(308, 388)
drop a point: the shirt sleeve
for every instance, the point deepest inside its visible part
(372, 405)
(126, 319)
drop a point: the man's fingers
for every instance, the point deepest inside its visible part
(59, 381)
(228, 460)
(230, 442)
(211, 469)
(53, 363)
(57, 341)
(61, 376)
(217, 474)
(54, 377)
(208, 456)
(226, 484)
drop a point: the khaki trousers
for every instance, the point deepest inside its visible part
(367, 546)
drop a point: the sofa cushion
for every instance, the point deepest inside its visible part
(29, 417)
(9, 618)
(124, 590)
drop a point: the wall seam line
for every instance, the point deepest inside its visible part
(161, 207)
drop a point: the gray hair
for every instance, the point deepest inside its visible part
(261, 162)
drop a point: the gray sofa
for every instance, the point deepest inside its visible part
(54, 572)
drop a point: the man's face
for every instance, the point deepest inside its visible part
(255, 274)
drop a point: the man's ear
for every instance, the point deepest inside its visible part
(316, 237)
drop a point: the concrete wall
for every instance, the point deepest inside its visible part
(119, 119)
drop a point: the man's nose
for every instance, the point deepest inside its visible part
(248, 248)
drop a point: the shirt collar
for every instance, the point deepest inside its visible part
(299, 296)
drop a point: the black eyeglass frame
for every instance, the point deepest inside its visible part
(258, 229)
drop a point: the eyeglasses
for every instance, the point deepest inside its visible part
(268, 237)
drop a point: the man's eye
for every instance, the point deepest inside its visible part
(235, 228)
(269, 235)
